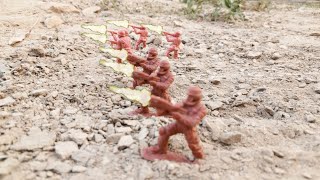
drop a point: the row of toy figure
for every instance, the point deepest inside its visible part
(187, 114)
(122, 41)
(157, 74)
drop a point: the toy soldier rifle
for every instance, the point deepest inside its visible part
(112, 32)
(144, 76)
(164, 106)
(136, 27)
(135, 60)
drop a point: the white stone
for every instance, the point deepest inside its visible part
(65, 149)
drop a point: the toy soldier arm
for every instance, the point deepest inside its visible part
(164, 85)
(140, 75)
(190, 120)
(164, 105)
(135, 60)
(150, 68)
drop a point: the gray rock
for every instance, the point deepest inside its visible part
(61, 8)
(145, 172)
(81, 156)
(123, 130)
(230, 138)
(212, 105)
(78, 169)
(254, 55)
(55, 113)
(70, 110)
(59, 167)
(65, 149)
(8, 166)
(113, 138)
(37, 51)
(77, 136)
(39, 92)
(53, 22)
(98, 138)
(37, 165)
(125, 142)
(6, 139)
(281, 115)
(90, 11)
(35, 140)
(143, 133)
(317, 88)
(215, 81)
(276, 56)
(310, 118)
(5, 114)
(7, 101)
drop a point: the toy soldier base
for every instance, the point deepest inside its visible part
(187, 115)
(144, 111)
(148, 154)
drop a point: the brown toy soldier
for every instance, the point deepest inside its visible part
(160, 82)
(175, 39)
(188, 115)
(148, 64)
(143, 36)
(123, 41)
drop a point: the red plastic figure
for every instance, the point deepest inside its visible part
(160, 82)
(143, 36)
(175, 46)
(123, 41)
(188, 115)
(114, 41)
(148, 64)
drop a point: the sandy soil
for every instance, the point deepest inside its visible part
(260, 79)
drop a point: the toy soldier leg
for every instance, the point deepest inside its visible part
(137, 45)
(164, 135)
(144, 44)
(175, 56)
(166, 96)
(194, 143)
(169, 51)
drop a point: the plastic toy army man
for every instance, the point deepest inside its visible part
(148, 64)
(188, 115)
(160, 82)
(142, 31)
(123, 41)
(175, 39)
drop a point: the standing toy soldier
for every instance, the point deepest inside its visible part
(175, 46)
(142, 31)
(123, 41)
(160, 82)
(188, 115)
(148, 64)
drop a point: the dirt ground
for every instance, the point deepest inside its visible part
(260, 79)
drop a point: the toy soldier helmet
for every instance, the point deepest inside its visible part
(178, 33)
(165, 65)
(122, 33)
(195, 91)
(153, 51)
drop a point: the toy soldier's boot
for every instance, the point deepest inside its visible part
(163, 140)
(194, 143)
(143, 111)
